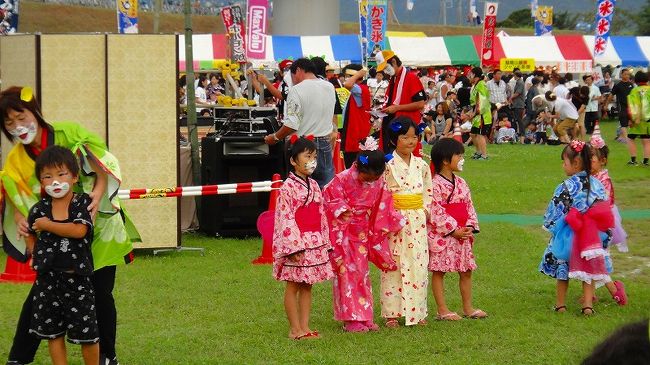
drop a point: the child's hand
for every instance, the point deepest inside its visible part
(22, 227)
(40, 224)
(462, 233)
(298, 256)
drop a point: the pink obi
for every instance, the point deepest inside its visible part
(308, 218)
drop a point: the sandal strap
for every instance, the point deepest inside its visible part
(557, 309)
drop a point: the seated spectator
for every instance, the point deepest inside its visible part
(530, 134)
(439, 123)
(505, 133)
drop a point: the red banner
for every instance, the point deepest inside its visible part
(489, 26)
(233, 21)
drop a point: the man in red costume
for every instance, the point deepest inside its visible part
(356, 116)
(405, 94)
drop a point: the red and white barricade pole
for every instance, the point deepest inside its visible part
(181, 191)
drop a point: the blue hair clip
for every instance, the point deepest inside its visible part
(421, 128)
(363, 160)
(396, 126)
(388, 157)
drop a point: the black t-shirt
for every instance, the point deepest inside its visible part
(622, 90)
(56, 253)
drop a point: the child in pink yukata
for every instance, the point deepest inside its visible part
(300, 238)
(619, 237)
(361, 214)
(453, 225)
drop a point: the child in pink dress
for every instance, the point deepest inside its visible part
(618, 237)
(361, 214)
(453, 224)
(300, 238)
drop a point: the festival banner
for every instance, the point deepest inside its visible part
(604, 15)
(233, 21)
(127, 16)
(523, 64)
(257, 24)
(8, 17)
(489, 25)
(544, 20)
(377, 16)
(363, 29)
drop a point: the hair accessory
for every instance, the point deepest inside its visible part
(421, 128)
(597, 141)
(388, 157)
(26, 94)
(293, 139)
(363, 159)
(396, 126)
(370, 144)
(577, 145)
(310, 137)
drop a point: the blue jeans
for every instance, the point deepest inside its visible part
(324, 172)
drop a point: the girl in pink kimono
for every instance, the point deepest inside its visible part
(360, 211)
(300, 238)
(404, 291)
(453, 225)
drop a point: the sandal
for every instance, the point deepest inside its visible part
(300, 337)
(560, 308)
(392, 323)
(355, 327)
(423, 322)
(585, 309)
(372, 326)
(451, 316)
(477, 314)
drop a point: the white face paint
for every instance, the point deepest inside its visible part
(24, 134)
(389, 70)
(461, 162)
(311, 166)
(57, 190)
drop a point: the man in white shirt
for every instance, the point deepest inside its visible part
(310, 111)
(560, 90)
(591, 112)
(497, 88)
(566, 114)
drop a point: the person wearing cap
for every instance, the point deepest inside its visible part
(280, 91)
(331, 76)
(639, 106)
(565, 112)
(591, 112)
(405, 93)
(479, 99)
(356, 116)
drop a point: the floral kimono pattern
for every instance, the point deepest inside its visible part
(301, 227)
(358, 240)
(404, 291)
(619, 236)
(572, 193)
(446, 253)
(114, 232)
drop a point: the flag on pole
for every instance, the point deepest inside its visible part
(257, 22)
(233, 21)
(377, 16)
(489, 25)
(8, 17)
(127, 16)
(544, 20)
(604, 15)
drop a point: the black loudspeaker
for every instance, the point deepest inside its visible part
(236, 159)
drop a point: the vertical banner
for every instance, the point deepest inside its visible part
(363, 30)
(604, 15)
(8, 17)
(489, 25)
(377, 15)
(233, 21)
(257, 24)
(544, 20)
(127, 16)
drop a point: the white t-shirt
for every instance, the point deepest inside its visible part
(592, 106)
(565, 109)
(310, 108)
(561, 91)
(200, 94)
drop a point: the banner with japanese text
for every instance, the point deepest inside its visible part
(523, 64)
(487, 43)
(257, 25)
(544, 20)
(8, 17)
(363, 29)
(377, 16)
(604, 15)
(233, 21)
(127, 16)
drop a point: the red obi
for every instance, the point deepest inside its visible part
(586, 226)
(308, 218)
(458, 211)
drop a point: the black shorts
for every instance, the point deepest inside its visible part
(641, 136)
(624, 119)
(484, 130)
(64, 303)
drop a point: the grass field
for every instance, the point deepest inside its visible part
(184, 308)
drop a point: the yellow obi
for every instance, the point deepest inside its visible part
(408, 201)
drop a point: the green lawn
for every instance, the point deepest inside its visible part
(184, 308)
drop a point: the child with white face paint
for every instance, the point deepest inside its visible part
(452, 226)
(63, 296)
